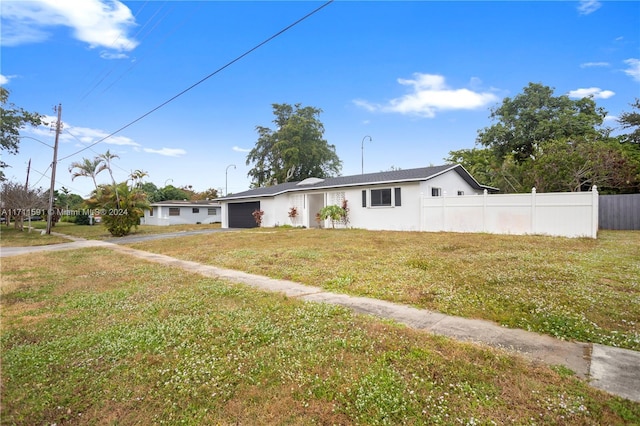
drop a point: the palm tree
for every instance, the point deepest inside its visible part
(124, 207)
(136, 178)
(106, 158)
(87, 168)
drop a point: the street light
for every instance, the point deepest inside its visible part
(362, 147)
(165, 182)
(226, 189)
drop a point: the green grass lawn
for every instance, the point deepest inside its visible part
(94, 336)
(581, 289)
(11, 237)
(93, 232)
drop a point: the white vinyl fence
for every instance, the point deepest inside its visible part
(566, 214)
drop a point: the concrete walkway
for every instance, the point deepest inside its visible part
(613, 370)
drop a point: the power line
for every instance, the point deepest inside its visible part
(139, 59)
(45, 175)
(228, 64)
(42, 176)
(114, 66)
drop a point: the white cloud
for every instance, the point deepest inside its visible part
(4, 79)
(634, 68)
(595, 92)
(588, 6)
(594, 64)
(168, 152)
(83, 135)
(238, 149)
(109, 55)
(609, 118)
(429, 95)
(88, 136)
(366, 105)
(96, 22)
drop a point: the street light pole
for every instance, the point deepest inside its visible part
(362, 147)
(226, 189)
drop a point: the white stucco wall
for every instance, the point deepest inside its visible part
(450, 183)
(405, 217)
(161, 215)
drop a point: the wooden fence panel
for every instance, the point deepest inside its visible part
(620, 212)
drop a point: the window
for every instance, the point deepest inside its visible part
(211, 211)
(381, 197)
(174, 211)
(195, 210)
(436, 192)
(460, 192)
(151, 211)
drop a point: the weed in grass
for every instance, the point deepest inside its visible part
(380, 397)
(305, 254)
(563, 371)
(340, 283)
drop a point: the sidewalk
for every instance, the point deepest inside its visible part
(613, 370)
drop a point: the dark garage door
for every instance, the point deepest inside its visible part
(240, 214)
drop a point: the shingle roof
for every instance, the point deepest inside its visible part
(186, 203)
(395, 176)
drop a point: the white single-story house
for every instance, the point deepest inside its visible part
(176, 212)
(377, 201)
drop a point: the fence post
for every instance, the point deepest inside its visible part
(422, 212)
(533, 210)
(595, 207)
(485, 193)
(444, 211)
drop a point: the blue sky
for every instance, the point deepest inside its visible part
(419, 78)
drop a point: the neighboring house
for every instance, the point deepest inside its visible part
(376, 201)
(176, 212)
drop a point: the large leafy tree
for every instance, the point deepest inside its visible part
(208, 194)
(631, 120)
(12, 119)
(170, 192)
(295, 150)
(16, 201)
(64, 199)
(576, 165)
(536, 116)
(551, 143)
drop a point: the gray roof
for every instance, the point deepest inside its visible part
(395, 176)
(187, 203)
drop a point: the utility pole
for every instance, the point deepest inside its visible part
(26, 184)
(53, 169)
